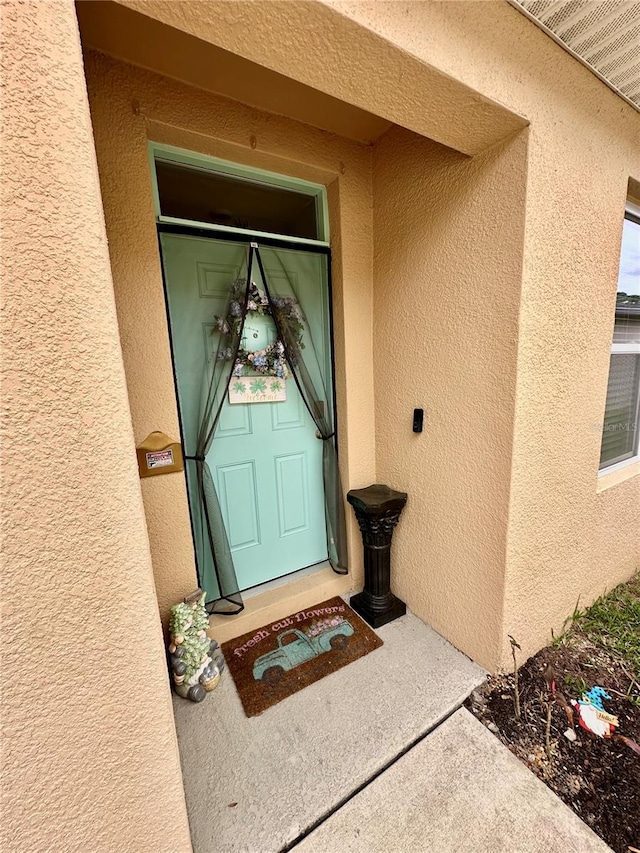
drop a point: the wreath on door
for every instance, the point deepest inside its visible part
(271, 360)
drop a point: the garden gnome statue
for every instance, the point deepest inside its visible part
(196, 660)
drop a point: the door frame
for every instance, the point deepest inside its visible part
(233, 235)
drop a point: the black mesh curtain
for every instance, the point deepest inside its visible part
(211, 542)
(311, 373)
(312, 377)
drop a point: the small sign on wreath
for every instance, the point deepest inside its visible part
(257, 389)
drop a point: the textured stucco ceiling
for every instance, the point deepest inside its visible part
(140, 40)
(603, 34)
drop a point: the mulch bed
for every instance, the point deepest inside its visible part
(599, 779)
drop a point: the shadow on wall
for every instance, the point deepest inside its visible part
(449, 234)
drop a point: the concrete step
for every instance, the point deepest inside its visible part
(460, 789)
(288, 768)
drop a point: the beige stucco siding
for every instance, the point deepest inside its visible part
(448, 268)
(530, 455)
(90, 760)
(131, 106)
(479, 288)
(318, 45)
(569, 536)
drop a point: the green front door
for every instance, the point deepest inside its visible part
(265, 459)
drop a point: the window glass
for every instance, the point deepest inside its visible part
(627, 328)
(621, 427)
(620, 430)
(187, 192)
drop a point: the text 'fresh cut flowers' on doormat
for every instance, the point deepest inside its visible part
(283, 657)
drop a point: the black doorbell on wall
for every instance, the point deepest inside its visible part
(418, 417)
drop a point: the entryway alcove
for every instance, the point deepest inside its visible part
(422, 198)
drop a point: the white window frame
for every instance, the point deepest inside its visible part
(632, 212)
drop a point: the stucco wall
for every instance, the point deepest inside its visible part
(564, 535)
(90, 760)
(569, 535)
(448, 264)
(130, 106)
(316, 44)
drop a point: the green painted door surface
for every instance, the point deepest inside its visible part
(265, 459)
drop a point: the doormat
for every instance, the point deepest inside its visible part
(283, 657)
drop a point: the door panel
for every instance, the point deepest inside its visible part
(265, 458)
(292, 492)
(237, 488)
(290, 414)
(234, 420)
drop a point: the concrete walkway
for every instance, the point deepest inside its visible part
(377, 757)
(457, 790)
(286, 769)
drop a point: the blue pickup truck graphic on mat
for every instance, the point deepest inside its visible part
(296, 647)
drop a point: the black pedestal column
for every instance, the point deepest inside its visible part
(378, 511)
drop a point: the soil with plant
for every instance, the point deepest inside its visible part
(599, 778)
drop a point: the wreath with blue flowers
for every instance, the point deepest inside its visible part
(271, 360)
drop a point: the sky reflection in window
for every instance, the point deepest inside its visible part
(629, 275)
